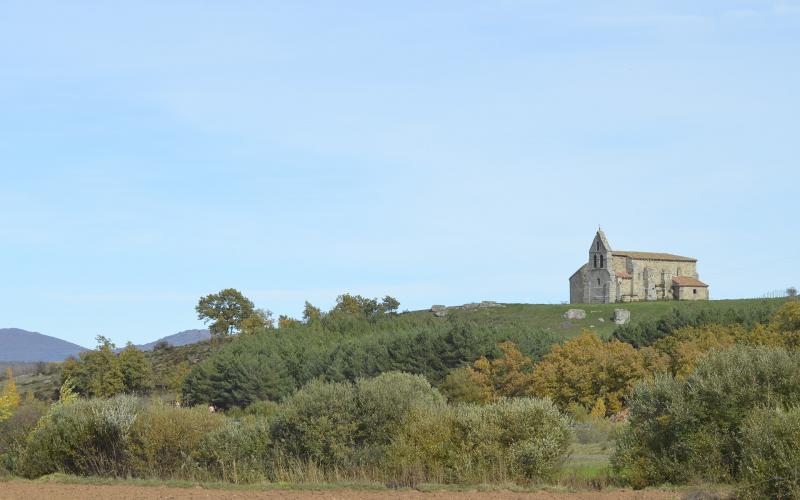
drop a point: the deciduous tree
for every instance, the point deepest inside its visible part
(226, 310)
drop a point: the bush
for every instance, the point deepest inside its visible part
(384, 401)
(510, 439)
(337, 424)
(83, 437)
(770, 455)
(14, 432)
(264, 409)
(460, 387)
(239, 451)
(316, 423)
(682, 430)
(165, 440)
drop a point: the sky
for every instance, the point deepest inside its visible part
(441, 152)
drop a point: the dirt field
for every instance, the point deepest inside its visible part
(34, 491)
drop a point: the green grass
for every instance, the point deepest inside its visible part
(550, 317)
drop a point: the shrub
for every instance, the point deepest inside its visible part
(239, 451)
(512, 438)
(690, 429)
(264, 409)
(83, 437)
(384, 401)
(336, 424)
(14, 432)
(460, 387)
(165, 440)
(316, 423)
(770, 455)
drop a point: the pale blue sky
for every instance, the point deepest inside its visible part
(441, 152)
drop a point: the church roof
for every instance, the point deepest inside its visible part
(652, 256)
(687, 281)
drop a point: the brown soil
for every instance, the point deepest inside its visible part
(34, 491)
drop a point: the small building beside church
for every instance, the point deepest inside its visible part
(630, 276)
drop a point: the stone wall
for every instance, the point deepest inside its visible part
(661, 272)
(691, 292)
(577, 283)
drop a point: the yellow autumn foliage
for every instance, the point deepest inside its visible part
(9, 398)
(589, 372)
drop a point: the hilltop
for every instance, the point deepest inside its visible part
(24, 346)
(185, 337)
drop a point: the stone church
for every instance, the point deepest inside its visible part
(623, 276)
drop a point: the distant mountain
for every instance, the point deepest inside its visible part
(22, 345)
(181, 338)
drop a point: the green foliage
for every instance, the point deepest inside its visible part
(344, 424)
(359, 428)
(14, 432)
(342, 347)
(647, 332)
(517, 439)
(316, 424)
(226, 310)
(364, 307)
(102, 373)
(384, 401)
(311, 313)
(682, 430)
(770, 455)
(165, 440)
(95, 373)
(460, 387)
(239, 451)
(265, 409)
(259, 321)
(244, 372)
(137, 371)
(84, 437)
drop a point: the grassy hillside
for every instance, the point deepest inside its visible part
(550, 317)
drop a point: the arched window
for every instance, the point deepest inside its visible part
(598, 281)
(598, 246)
(601, 261)
(595, 260)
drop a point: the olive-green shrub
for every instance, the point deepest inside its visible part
(239, 451)
(335, 424)
(14, 433)
(681, 430)
(165, 441)
(511, 439)
(83, 437)
(316, 424)
(770, 454)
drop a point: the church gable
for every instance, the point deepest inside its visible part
(600, 243)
